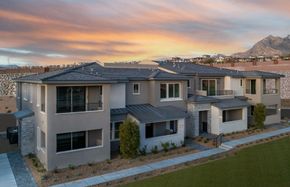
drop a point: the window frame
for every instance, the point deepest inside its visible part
(188, 84)
(42, 98)
(249, 85)
(102, 139)
(86, 141)
(139, 86)
(86, 98)
(208, 86)
(113, 130)
(225, 114)
(167, 91)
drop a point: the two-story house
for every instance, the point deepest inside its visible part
(222, 100)
(72, 116)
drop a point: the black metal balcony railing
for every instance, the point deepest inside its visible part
(270, 91)
(95, 106)
(215, 92)
(224, 92)
(250, 91)
(78, 107)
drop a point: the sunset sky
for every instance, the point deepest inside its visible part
(42, 32)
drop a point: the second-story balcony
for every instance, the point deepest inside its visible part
(64, 107)
(215, 93)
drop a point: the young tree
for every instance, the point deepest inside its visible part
(129, 139)
(259, 115)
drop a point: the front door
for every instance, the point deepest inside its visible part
(203, 123)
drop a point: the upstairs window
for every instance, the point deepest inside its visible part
(163, 92)
(251, 86)
(79, 98)
(42, 98)
(170, 91)
(136, 88)
(210, 86)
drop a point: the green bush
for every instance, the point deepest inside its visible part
(173, 145)
(259, 115)
(129, 139)
(165, 146)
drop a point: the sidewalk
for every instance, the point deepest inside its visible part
(6, 175)
(109, 177)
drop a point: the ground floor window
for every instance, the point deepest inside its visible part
(161, 128)
(232, 115)
(271, 110)
(42, 138)
(95, 138)
(78, 140)
(115, 130)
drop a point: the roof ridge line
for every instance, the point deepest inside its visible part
(69, 69)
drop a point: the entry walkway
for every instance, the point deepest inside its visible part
(6, 175)
(109, 177)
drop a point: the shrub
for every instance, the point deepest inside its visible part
(143, 151)
(129, 139)
(154, 149)
(173, 145)
(259, 115)
(165, 146)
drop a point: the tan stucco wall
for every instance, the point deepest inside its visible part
(142, 98)
(73, 122)
(266, 99)
(154, 99)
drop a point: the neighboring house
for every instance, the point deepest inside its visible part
(222, 100)
(73, 115)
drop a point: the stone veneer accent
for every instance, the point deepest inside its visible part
(27, 136)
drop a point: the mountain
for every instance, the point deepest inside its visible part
(269, 46)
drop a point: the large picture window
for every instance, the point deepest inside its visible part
(78, 140)
(161, 128)
(169, 91)
(232, 115)
(79, 98)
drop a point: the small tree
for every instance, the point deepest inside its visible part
(129, 139)
(259, 115)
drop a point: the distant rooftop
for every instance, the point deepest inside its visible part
(204, 70)
(97, 73)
